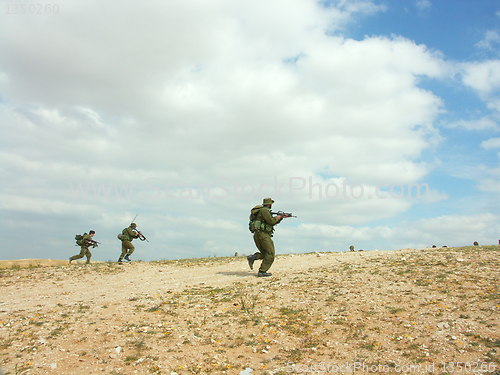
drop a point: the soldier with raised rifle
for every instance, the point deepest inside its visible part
(262, 224)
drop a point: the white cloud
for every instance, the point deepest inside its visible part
(490, 42)
(451, 230)
(484, 79)
(491, 143)
(459, 230)
(483, 123)
(188, 112)
(490, 177)
(423, 4)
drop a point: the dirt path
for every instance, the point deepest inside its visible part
(102, 283)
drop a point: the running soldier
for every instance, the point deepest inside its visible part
(84, 241)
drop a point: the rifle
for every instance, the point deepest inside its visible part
(283, 214)
(93, 243)
(142, 237)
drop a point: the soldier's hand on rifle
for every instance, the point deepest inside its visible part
(283, 214)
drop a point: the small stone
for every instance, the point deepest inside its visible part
(443, 325)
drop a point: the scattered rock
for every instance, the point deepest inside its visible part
(443, 325)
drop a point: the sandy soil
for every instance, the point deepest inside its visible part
(407, 311)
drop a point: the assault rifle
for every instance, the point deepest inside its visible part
(92, 243)
(283, 214)
(142, 237)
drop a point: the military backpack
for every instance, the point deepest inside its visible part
(79, 239)
(253, 224)
(256, 223)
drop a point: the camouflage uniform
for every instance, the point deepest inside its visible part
(263, 236)
(128, 235)
(84, 249)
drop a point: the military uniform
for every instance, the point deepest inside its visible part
(262, 236)
(86, 242)
(128, 235)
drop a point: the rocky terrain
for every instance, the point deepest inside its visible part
(407, 311)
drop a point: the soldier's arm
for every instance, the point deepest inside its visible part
(86, 239)
(268, 218)
(131, 233)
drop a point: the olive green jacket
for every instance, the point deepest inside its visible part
(86, 240)
(128, 234)
(267, 220)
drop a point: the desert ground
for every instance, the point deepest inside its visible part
(411, 311)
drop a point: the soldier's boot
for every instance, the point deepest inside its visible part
(70, 260)
(127, 258)
(251, 259)
(120, 261)
(264, 274)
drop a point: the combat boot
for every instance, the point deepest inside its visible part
(251, 259)
(127, 258)
(264, 274)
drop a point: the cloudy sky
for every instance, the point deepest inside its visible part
(376, 122)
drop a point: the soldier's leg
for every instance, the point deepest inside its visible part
(88, 254)
(124, 250)
(268, 246)
(131, 249)
(258, 242)
(78, 256)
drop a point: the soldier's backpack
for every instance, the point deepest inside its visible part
(79, 239)
(254, 224)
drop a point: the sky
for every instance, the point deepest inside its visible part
(375, 122)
